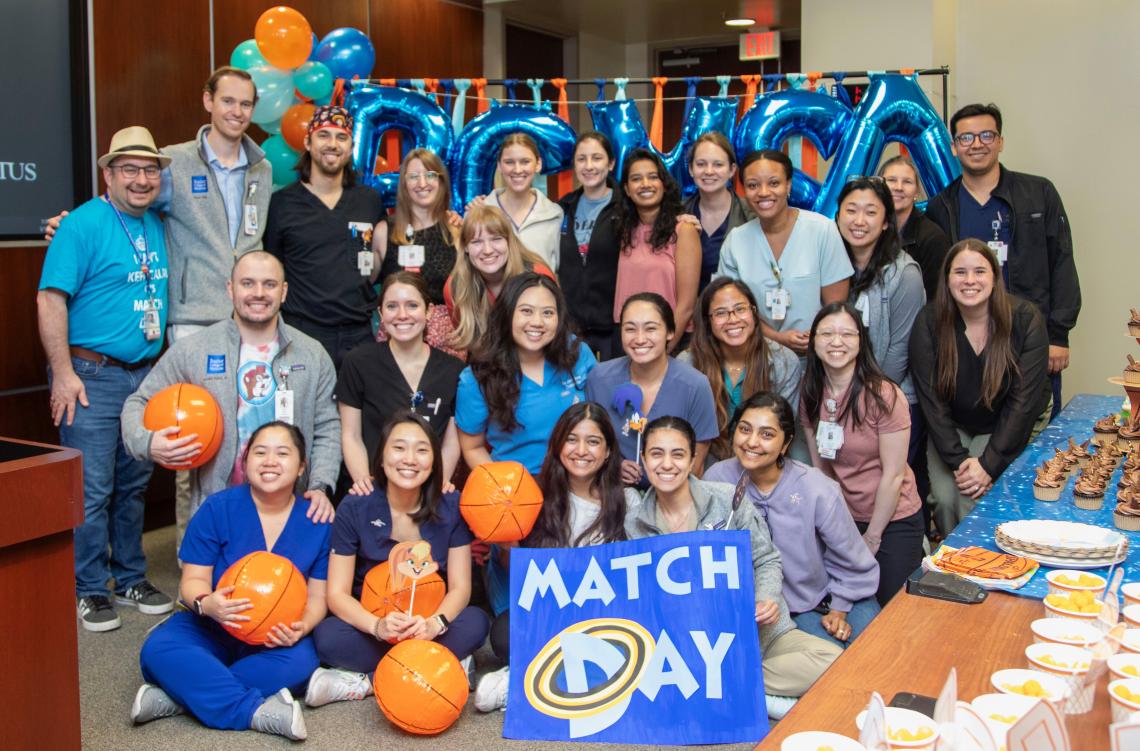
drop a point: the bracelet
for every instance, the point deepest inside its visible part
(376, 630)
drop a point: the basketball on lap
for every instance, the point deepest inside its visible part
(377, 597)
(191, 409)
(420, 686)
(500, 502)
(275, 588)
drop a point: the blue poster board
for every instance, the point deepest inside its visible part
(647, 641)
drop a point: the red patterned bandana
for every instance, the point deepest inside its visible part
(330, 116)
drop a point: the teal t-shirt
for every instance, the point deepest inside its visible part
(99, 267)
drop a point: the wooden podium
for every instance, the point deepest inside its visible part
(41, 502)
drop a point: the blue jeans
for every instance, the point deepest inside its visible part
(862, 613)
(113, 482)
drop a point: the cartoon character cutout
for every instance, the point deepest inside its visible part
(410, 560)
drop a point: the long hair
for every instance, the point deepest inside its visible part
(785, 416)
(468, 288)
(552, 529)
(495, 363)
(708, 357)
(1000, 360)
(887, 247)
(402, 219)
(304, 170)
(431, 490)
(665, 225)
(868, 375)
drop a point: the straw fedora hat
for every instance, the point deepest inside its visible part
(133, 141)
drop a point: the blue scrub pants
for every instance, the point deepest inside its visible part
(341, 645)
(217, 678)
(859, 617)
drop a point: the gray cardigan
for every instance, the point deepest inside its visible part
(311, 378)
(894, 300)
(713, 503)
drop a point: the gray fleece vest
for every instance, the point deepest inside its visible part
(879, 296)
(197, 230)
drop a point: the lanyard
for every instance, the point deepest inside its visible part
(138, 245)
(996, 225)
(776, 274)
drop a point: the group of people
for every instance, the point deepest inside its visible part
(639, 354)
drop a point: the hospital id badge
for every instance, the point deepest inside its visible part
(365, 261)
(250, 224)
(283, 405)
(1000, 249)
(411, 256)
(828, 439)
(778, 300)
(151, 325)
(863, 305)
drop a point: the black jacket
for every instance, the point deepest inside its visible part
(739, 212)
(589, 282)
(926, 243)
(1022, 400)
(1041, 266)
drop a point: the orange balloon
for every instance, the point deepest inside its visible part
(500, 502)
(283, 37)
(377, 597)
(295, 125)
(420, 686)
(192, 409)
(273, 585)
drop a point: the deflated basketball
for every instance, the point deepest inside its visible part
(191, 409)
(420, 686)
(275, 588)
(377, 597)
(500, 502)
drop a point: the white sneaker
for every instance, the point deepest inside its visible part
(491, 693)
(468, 665)
(328, 685)
(152, 703)
(778, 706)
(280, 714)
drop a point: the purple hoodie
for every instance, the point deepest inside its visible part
(822, 551)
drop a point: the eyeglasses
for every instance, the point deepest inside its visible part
(720, 315)
(430, 177)
(846, 336)
(986, 137)
(131, 171)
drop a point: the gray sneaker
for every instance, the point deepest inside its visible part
(329, 685)
(147, 598)
(96, 613)
(280, 714)
(491, 693)
(152, 703)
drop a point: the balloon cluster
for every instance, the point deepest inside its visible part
(294, 73)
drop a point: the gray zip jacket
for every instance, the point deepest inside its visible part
(713, 504)
(210, 359)
(893, 302)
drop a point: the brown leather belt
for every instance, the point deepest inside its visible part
(96, 357)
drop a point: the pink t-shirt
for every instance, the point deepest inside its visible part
(643, 269)
(856, 465)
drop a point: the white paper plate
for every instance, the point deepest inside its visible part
(1060, 534)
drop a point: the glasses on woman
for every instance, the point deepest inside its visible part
(428, 177)
(720, 315)
(845, 335)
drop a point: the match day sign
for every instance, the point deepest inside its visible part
(648, 641)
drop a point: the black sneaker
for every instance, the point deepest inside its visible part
(147, 598)
(97, 614)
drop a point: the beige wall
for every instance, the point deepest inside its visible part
(1065, 76)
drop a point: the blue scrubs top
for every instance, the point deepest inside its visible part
(363, 528)
(539, 407)
(227, 528)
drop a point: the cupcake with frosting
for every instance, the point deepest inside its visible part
(1106, 430)
(1134, 322)
(1048, 485)
(1127, 513)
(1132, 372)
(1088, 493)
(1130, 434)
(1080, 452)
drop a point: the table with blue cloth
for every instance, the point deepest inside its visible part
(1011, 497)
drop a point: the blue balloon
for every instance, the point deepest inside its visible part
(778, 115)
(274, 93)
(313, 52)
(347, 52)
(377, 109)
(621, 122)
(314, 80)
(475, 153)
(893, 109)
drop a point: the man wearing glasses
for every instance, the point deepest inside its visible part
(321, 229)
(102, 310)
(1022, 219)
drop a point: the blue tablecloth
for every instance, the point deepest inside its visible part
(1012, 495)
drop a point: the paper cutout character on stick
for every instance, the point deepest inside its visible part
(410, 560)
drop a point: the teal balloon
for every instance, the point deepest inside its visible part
(281, 158)
(314, 80)
(271, 128)
(274, 93)
(246, 55)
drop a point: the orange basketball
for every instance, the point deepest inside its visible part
(420, 686)
(192, 409)
(377, 597)
(500, 502)
(273, 585)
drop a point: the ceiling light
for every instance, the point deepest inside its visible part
(739, 21)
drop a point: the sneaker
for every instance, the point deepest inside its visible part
(147, 598)
(152, 703)
(329, 685)
(778, 706)
(491, 693)
(96, 613)
(280, 714)
(468, 665)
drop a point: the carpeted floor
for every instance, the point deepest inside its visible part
(109, 676)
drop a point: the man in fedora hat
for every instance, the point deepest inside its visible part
(102, 310)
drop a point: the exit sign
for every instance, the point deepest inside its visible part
(760, 45)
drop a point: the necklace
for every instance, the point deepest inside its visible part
(677, 524)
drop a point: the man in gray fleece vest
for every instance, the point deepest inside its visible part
(298, 372)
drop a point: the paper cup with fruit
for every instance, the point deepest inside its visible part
(1124, 693)
(1131, 593)
(906, 728)
(818, 740)
(1069, 663)
(1062, 581)
(1130, 642)
(1065, 631)
(1031, 683)
(1124, 665)
(1001, 711)
(1132, 616)
(1082, 606)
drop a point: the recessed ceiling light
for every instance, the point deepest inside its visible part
(739, 21)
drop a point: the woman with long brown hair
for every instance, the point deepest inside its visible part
(978, 357)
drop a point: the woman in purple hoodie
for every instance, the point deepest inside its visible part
(830, 576)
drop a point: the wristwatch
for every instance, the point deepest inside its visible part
(444, 624)
(198, 603)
